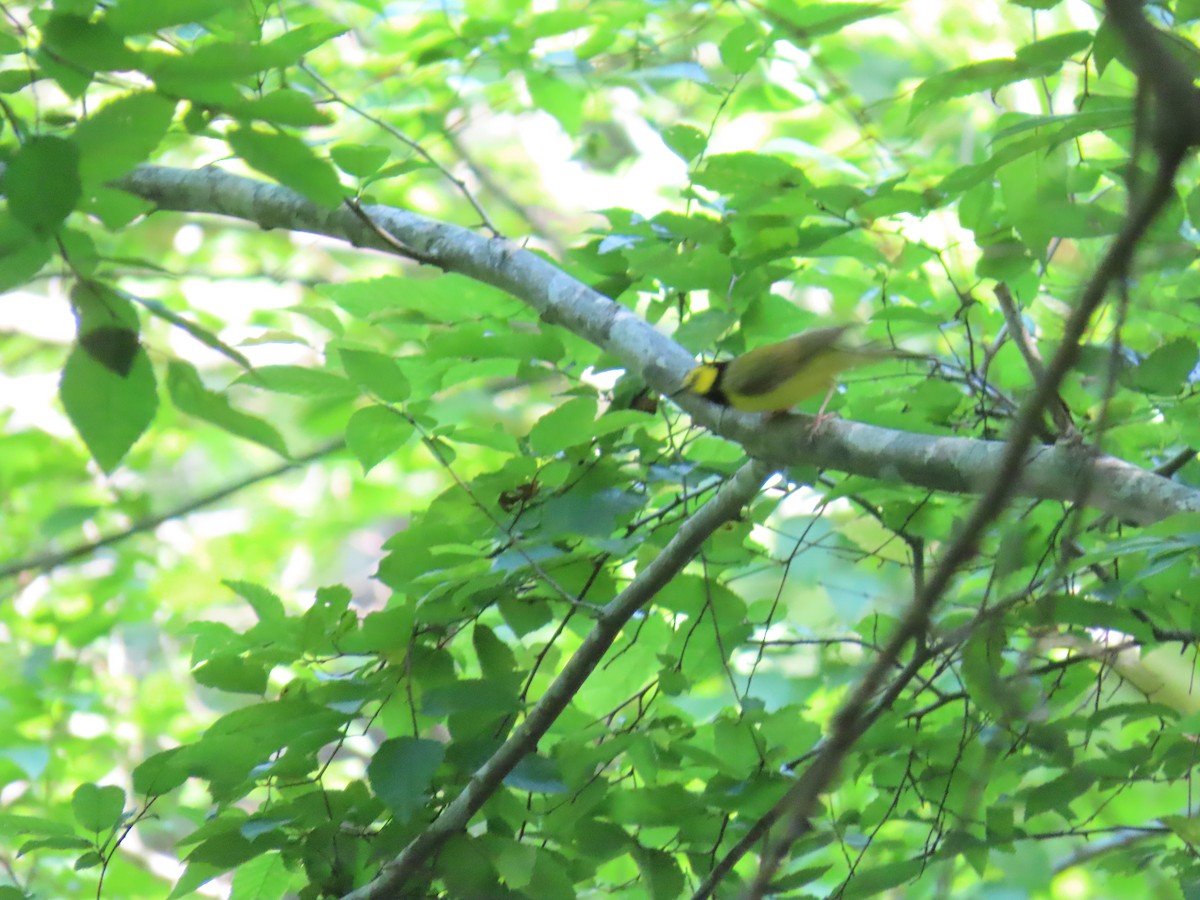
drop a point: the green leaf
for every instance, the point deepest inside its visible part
(160, 773)
(869, 882)
(376, 372)
(471, 695)
(472, 340)
(147, 16)
(89, 860)
(1004, 260)
(395, 169)
(449, 298)
(989, 75)
(558, 21)
(289, 161)
(266, 604)
(1069, 610)
(555, 96)
(54, 843)
(1186, 10)
(1167, 369)
(281, 107)
(359, 160)
(816, 19)
(536, 775)
(401, 772)
(14, 826)
(1053, 51)
(586, 512)
(72, 79)
(1062, 128)
(384, 632)
(466, 869)
(742, 48)
(91, 46)
(1186, 827)
(42, 183)
(233, 673)
(328, 621)
(298, 380)
(496, 660)
(525, 615)
(968, 176)
(20, 261)
(115, 209)
(1058, 793)
(515, 862)
(120, 134)
(113, 347)
(108, 409)
(569, 425)
(192, 398)
(67, 518)
(224, 851)
(934, 401)
(212, 66)
(266, 877)
(685, 141)
(14, 80)
(375, 433)
(660, 873)
(97, 809)
(195, 876)
(291, 46)
(982, 663)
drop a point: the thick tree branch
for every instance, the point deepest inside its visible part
(960, 465)
(1177, 120)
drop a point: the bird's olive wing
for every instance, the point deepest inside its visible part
(764, 369)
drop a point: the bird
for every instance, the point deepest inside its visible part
(776, 377)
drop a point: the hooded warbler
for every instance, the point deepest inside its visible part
(776, 377)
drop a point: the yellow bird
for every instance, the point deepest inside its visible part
(776, 377)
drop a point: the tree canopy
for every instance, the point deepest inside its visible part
(357, 540)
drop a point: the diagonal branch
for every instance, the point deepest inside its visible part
(725, 506)
(852, 719)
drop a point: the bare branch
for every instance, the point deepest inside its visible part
(959, 465)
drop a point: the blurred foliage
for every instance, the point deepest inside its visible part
(293, 535)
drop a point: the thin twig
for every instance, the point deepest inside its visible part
(1020, 336)
(46, 561)
(413, 145)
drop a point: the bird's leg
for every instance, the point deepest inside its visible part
(821, 418)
